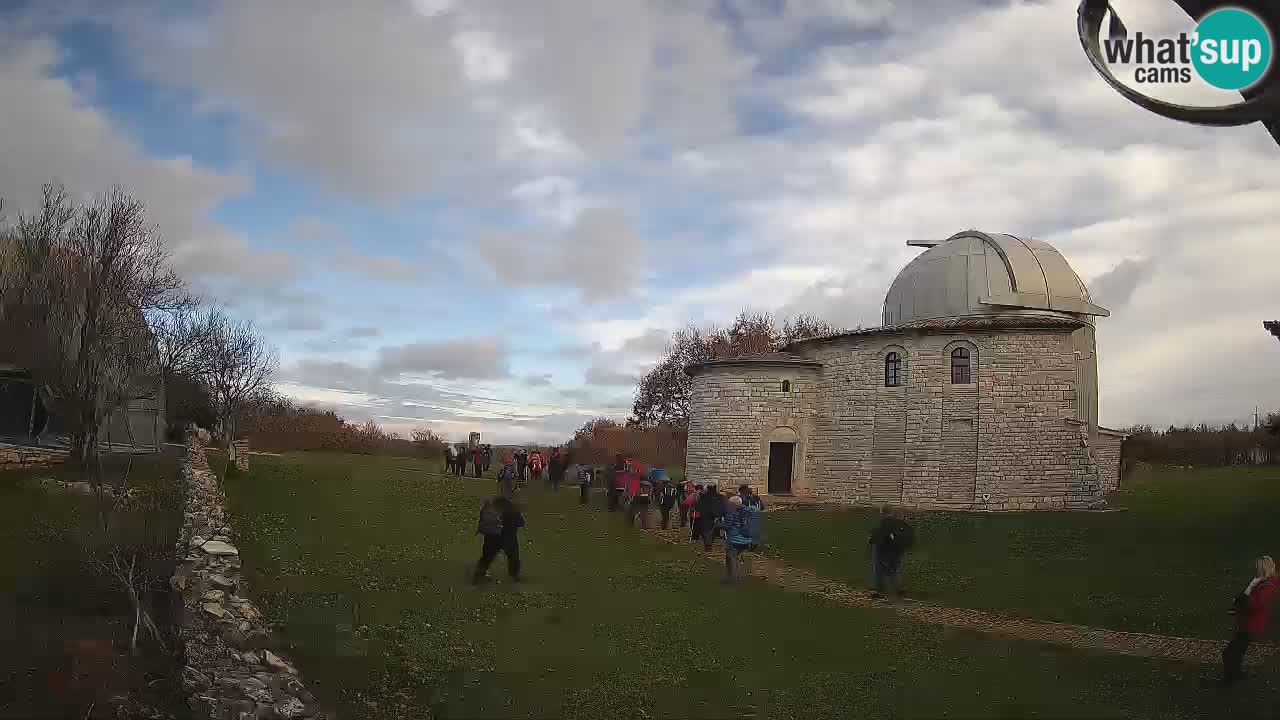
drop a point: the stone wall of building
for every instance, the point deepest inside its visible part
(234, 669)
(739, 411)
(1107, 453)
(1011, 440)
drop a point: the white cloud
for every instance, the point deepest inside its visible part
(552, 197)
(592, 121)
(599, 254)
(50, 132)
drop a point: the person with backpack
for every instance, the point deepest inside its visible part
(1252, 609)
(710, 507)
(749, 497)
(695, 520)
(684, 500)
(535, 466)
(890, 540)
(641, 495)
(507, 478)
(668, 495)
(738, 525)
(499, 523)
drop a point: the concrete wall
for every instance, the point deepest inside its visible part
(1013, 439)
(736, 411)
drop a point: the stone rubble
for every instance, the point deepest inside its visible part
(234, 669)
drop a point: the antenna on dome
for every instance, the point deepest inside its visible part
(925, 243)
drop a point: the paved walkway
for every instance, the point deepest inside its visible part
(1164, 647)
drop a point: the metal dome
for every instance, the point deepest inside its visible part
(977, 273)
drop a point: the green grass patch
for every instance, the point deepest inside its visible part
(64, 628)
(362, 561)
(1168, 563)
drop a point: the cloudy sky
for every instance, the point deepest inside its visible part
(489, 215)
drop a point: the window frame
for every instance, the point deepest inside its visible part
(893, 369)
(962, 361)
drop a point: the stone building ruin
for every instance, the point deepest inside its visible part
(978, 392)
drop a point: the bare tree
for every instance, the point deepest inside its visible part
(662, 395)
(184, 333)
(87, 276)
(241, 364)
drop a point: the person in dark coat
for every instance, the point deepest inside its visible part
(555, 468)
(522, 462)
(584, 483)
(1252, 609)
(889, 542)
(668, 495)
(500, 524)
(750, 498)
(710, 507)
(611, 482)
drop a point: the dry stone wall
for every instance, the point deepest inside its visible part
(240, 450)
(1107, 453)
(18, 457)
(234, 670)
(1010, 440)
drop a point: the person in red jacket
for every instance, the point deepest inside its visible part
(1252, 609)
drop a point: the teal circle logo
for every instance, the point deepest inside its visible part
(1232, 49)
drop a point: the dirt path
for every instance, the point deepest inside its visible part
(1163, 647)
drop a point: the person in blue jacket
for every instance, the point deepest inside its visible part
(740, 524)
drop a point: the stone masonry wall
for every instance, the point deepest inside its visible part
(736, 412)
(1106, 452)
(233, 669)
(17, 458)
(1002, 443)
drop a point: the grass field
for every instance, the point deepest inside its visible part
(363, 561)
(1169, 562)
(64, 629)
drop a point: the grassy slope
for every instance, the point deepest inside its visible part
(1168, 563)
(363, 561)
(50, 601)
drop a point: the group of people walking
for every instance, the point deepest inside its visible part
(457, 457)
(526, 464)
(736, 517)
(709, 514)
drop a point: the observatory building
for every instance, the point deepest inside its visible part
(978, 392)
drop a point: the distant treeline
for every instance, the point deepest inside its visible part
(600, 440)
(1206, 445)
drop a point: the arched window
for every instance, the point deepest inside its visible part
(892, 370)
(786, 386)
(961, 369)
